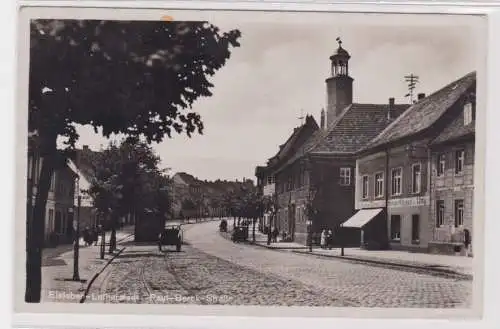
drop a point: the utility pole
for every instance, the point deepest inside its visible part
(412, 81)
(76, 227)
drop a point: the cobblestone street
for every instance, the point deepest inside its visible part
(213, 270)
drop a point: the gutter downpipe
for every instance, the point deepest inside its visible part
(386, 194)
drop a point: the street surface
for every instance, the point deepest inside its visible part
(214, 270)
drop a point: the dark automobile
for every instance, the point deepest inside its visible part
(240, 234)
(171, 236)
(223, 226)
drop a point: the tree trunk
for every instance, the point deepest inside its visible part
(36, 232)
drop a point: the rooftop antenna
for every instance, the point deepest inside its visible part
(301, 118)
(412, 81)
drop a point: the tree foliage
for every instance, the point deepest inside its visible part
(135, 78)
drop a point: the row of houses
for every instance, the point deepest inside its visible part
(396, 176)
(67, 196)
(196, 198)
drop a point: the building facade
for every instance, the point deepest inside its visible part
(397, 173)
(59, 211)
(452, 183)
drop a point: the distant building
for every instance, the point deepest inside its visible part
(397, 179)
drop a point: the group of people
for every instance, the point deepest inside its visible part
(326, 239)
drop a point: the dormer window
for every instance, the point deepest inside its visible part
(468, 114)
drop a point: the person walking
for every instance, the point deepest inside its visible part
(467, 242)
(329, 239)
(323, 239)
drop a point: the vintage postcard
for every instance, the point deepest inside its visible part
(221, 162)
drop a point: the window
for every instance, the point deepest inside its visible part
(439, 213)
(441, 162)
(365, 187)
(289, 184)
(345, 176)
(396, 227)
(415, 228)
(459, 161)
(396, 176)
(379, 185)
(467, 114)
(459, 213)
(416, 178)
(270, 180)
(51, 219)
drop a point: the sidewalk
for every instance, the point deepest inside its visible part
(430, 262)
(57, 269)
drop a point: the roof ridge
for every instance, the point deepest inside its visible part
(413, 106)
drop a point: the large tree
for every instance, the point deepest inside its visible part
(134, 78)
(128, 180)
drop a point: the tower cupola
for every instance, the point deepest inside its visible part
(340, 61)
(338, 85)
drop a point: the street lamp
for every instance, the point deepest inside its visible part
(309, 233)
(76, 229)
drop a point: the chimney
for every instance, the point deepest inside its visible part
(421, 96)
(322, 120)
(391, 108)
(85, 147)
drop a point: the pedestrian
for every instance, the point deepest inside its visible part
(323, 239)
(330, 239)
(467, 242)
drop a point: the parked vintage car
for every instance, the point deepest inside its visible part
(240, 234)
(171, 235)
(223, 225)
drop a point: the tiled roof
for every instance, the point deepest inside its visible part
(356, 127)
(455, 130)
(426, 112)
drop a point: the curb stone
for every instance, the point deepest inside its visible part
(96, 275)
(397, 266)
(426, 268)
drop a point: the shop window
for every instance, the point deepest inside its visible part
(395, 227)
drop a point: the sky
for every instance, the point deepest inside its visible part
(280, 70)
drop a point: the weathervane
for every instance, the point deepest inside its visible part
(339, 42)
